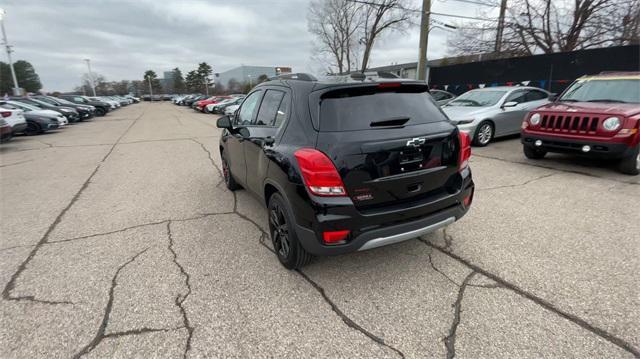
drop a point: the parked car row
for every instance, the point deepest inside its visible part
(33, 115)
(163, 97)
(209, 104)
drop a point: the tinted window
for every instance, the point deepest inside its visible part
(248, 108)
(283, 111)
(269, 108)
(518, 96)
(534, 95)
(377, 110)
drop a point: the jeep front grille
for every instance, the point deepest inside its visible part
(570, 124)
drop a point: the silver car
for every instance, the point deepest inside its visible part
(494, 111)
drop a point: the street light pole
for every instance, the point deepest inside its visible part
(16, 89)
(93, 85)
(424, 39)
(150, 90)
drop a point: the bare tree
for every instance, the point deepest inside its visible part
(547, 26)
(335, 24)
(378, 18)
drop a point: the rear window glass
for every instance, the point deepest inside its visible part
(380, 110)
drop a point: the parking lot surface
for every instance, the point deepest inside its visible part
(119, 239)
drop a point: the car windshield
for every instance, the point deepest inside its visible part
(604, 90)
(478, 98)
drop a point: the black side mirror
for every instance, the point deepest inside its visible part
(224, 122)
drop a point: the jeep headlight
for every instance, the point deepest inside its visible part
(611, 124)
(534, 119)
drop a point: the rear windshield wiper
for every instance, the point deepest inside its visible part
(391, 122)
(606, 100)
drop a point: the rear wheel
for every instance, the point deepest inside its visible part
(100, 111)
(484, 134)
(533, 153)
(631, 164)
(283, 235)
(231, 183)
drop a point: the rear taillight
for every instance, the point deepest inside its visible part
(319, 174)
(465, 150)
(5, 113)
(335, 237)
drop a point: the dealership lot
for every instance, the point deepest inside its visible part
(119, 239)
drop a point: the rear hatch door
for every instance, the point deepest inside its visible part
(391, 144)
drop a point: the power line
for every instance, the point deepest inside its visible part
(420, 11)
(474, 2)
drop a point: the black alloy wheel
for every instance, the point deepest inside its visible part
(285, 241)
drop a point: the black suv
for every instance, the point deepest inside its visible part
(101, 107)
(346, 167)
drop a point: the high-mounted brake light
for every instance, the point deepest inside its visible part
(319, 174)
(389, 85)
(5, 113)
(465, 150)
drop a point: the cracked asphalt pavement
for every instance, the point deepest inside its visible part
(118, 239)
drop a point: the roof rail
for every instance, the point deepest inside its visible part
(300, 76)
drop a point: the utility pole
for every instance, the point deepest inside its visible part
(93, 85)
(16, 89)
(424, 39)
(150, 90)
(500, 30)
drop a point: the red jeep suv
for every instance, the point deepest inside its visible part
(597, 116)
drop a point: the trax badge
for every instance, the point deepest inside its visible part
(415, 142)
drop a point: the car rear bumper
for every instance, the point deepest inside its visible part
(597, 149)
(372, 230)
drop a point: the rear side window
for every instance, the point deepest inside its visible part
(269, 108)
(372, 110)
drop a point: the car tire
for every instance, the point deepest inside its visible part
(33, 128)
(229, 181)
(285, 241)
(630, 165)
(205, 110)
(484, 134)
(100, 112)
(533, 153)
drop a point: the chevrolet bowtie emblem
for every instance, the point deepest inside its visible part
(415, 142)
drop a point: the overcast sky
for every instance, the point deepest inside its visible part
(125, 38)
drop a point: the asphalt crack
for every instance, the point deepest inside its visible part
(15, 163)
(518, 184)
(583, 173)
(6, 292)
(334, 307)
(139, 331)
(450, 340)
(179, 300)
(100, 334)
(348, 321)
(502, 283)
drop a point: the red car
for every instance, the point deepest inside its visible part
(202, 104)
(597, 116)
